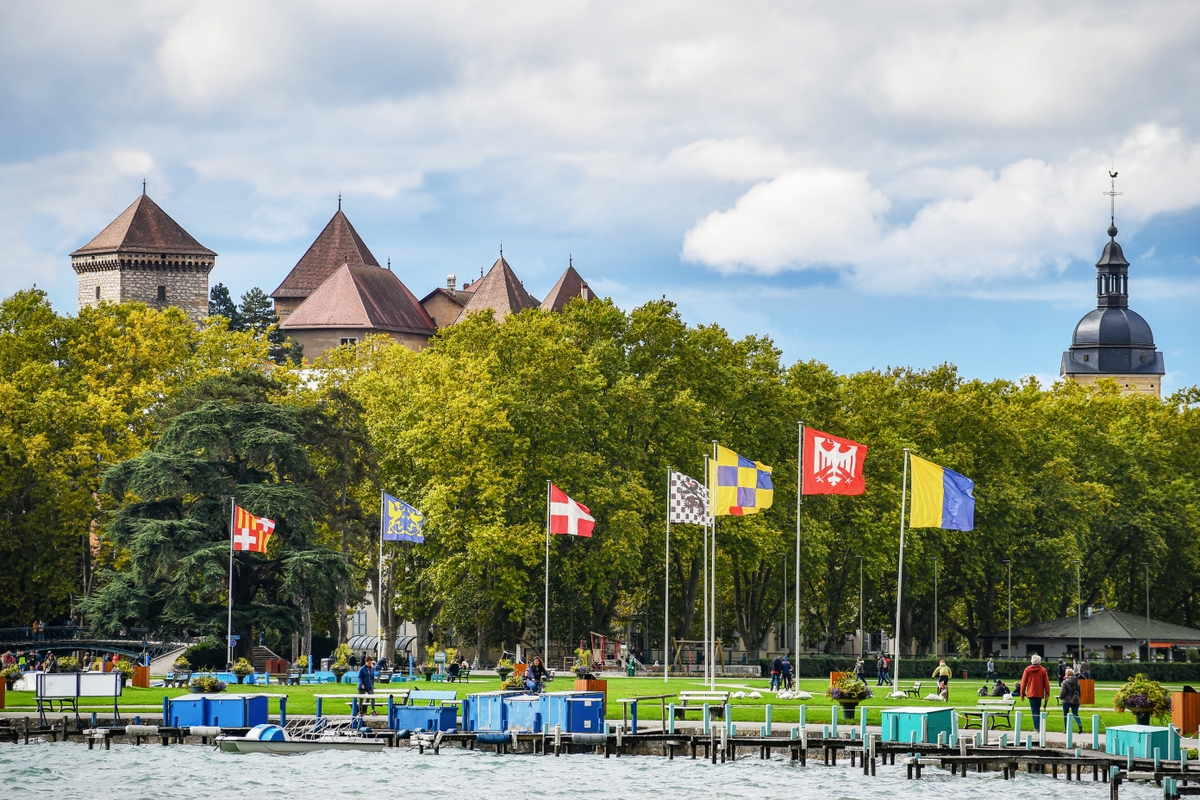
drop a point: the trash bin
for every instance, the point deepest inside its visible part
(963, 674)
(629, 670)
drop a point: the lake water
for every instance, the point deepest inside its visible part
(69, 770)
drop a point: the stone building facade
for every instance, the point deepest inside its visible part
(145, 256)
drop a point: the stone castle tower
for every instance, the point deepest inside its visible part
(145, 256)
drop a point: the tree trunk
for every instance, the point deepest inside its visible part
(306, 620)
(690, 580)
(750, 598)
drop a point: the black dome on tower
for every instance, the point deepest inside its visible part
(1113, 339)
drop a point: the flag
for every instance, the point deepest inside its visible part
(687, 500)
(250, 533)
(941, 498)
(402, 522)
(741, 486)
(568, 516)
(832, 465)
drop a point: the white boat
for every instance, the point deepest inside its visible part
(278, 741)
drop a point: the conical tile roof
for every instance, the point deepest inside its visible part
(362, 296)
(569, 286)
(338, 244)
(144, 228)
(501, 291)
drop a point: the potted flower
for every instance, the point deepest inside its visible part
(68, 664)
(302, 662)
(11, 674)
(848, 692)
(504, 668)
(206, 684)
(181, 664)
(241, 668)
(125, 667)
(340, 661)
(1143, 698)
(430, 665)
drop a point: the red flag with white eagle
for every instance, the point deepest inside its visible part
(568, 516)
(832, 465)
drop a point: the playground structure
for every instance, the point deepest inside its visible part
(610, 653)
(694, 663)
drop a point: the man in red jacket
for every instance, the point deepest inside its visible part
(1035, 685)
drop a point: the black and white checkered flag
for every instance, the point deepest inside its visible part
(688, 500)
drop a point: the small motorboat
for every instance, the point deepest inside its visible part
(301, 739)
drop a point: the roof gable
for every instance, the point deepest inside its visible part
(362, 296)
(144, 228)
(336, 245)
(1106, 623)
(569, 286)
(501, 291)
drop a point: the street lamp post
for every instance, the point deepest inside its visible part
(935, 608)
(862, 652)
(1008, 563)
(1146, 565)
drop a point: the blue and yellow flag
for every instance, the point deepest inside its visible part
(739, 485)
(401, 522)
(941, 498)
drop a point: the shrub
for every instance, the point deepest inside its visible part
(209, 654)
(181, 662)
(243, 667)
(68, 664)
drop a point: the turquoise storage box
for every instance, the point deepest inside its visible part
(906, 724)
(1143, 739)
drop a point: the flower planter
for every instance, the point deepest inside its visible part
(848, 708)
(1140, 717)
(504, 673)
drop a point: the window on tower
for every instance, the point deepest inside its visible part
(97, 292)
(162, 294)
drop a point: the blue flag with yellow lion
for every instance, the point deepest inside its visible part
(401, 522)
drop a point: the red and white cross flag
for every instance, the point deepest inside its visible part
(250, 533)
(568, 516)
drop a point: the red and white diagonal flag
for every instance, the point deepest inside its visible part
(568, 516)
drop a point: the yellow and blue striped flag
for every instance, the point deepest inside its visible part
(739, 486)
(402, 522)
(941, 498)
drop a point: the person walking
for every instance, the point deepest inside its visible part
(1068, 695)
(860, 671)
(776, 671)
(1062, 670)
(366, 684)
(942, 673)
(887, 670)
(786, 673)
(991, 670)
(1035, 686)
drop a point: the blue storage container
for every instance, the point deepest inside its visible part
(900, 724)
(423, 718)
(1143, 739)
(237, 711)
(486, 711)
(184, 712)
(586, 713)
(523, 713)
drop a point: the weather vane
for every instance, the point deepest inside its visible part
(1112, 194)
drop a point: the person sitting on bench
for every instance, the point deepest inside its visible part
(536, 675)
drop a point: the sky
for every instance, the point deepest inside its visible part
(870, 184)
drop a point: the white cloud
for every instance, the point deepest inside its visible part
(1030, 218)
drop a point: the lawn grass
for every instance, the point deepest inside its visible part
(301, 699)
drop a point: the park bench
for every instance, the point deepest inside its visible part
(68, 687)
(997, 709)
(180, 678)
(695, 701)
(384, 676)
(293, 676)
(629, 706)
(914, 690)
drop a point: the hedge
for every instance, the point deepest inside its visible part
(921, 667)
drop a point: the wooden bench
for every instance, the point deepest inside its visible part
(695, 701)
(914, 690)
(293, 676)
(180, 678)
(997, 709)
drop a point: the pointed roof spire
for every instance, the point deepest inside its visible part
(501, 291)
(337, 244)
(144, 228)
(363, 297)
(339, 201)
(569, 286)
(143, 185)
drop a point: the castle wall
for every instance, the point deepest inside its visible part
(121, 279)
(318, 340)
(1130, 384)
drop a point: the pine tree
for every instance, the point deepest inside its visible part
(227, 437)
(221, 304)
(257, 314)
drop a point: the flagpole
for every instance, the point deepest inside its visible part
(229, 617)
(667, 588)
(379, 585)
(704, 590)
(712, 684)
(546, 623)
(900, 573)
(799, 500)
